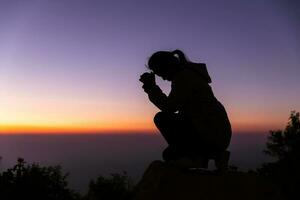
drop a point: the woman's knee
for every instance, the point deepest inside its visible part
(157, 118)
(161, 117)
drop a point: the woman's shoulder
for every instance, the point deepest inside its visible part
(183, 74)
(187, 73)
(186, 77)
(199, 70)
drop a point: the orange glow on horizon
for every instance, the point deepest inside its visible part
(237, 127)
(74, 129)
(33, 113)
(79, 122)
(30, 129)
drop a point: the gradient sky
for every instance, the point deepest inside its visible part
(74, 65)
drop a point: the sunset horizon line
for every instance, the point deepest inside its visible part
(46, 129)
(73, 130)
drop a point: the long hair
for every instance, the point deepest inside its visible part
(165, 59)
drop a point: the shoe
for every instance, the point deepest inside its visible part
(190, 163)
(221, 161)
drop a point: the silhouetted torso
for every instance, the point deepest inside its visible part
(192, 96)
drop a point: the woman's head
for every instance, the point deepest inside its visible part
(166, 63)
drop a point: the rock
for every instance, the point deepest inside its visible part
(164, 181)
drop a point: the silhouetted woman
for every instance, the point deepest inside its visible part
(193, 122)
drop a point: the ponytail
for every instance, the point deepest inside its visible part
(167, 58)
(180, 55)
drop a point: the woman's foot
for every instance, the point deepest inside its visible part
(221, 161)
(188, 163)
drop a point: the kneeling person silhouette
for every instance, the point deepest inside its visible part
(192, 121)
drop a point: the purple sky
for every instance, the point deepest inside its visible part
(78, 62)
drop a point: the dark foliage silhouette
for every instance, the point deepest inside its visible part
(192, 121)
(31, 181)
(34, 182)
(284, 146)
(116, 187)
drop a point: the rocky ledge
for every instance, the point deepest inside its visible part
(164, 181)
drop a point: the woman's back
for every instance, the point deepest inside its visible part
(200, 105)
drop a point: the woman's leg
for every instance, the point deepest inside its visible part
(169, 125)
(179, 134)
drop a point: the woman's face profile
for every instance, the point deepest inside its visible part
(164, 74)
(164, 65)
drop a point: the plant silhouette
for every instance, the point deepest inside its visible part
(115, 187)
(284, 146)
(31, 181)
(34, 182)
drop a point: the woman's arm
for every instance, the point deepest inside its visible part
(158, 98)
(176, 98)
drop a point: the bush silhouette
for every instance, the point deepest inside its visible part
(31, 181)
(34, 182)
(115, 187)
(284, 145)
